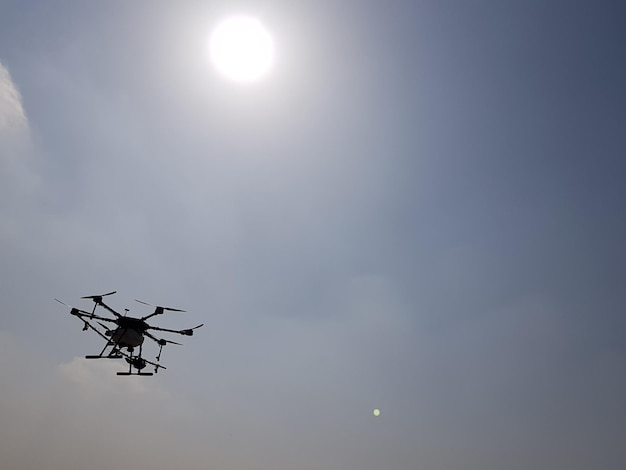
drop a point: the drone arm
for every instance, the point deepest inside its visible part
(81, 313)
(156, 312)
(153, 338)
(160, 341)
(109, 309)
(187, 332)
(180, 332)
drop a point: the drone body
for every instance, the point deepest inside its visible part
(123, 334)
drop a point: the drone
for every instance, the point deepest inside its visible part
(124, 335)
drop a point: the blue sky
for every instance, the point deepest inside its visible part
(420, 209)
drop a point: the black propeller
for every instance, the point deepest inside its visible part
(189, 331)
(98, 298)
(73, 310)
(158, 310)
(76, 312)
(163, 342)
(161, 308)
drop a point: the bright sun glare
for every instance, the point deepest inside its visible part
(242, 49)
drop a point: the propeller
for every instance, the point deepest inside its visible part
(98, 298)
(163, 342)
(76, 312)
(158, 310)
(73, 310)
(63, 303)
(189, 331)
(158, 307)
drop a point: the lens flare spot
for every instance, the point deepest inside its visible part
(242, 49)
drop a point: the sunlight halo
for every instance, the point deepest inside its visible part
(241, 49)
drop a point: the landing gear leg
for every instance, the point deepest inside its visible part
(130, 361)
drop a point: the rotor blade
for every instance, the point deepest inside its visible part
(63, 303)
(172, 342)
(159, 307)
(158, 328)
(153, 338)
(98, 296)
(160, 341)
(73, 310)
(187, 332)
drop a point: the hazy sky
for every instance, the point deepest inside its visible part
(420, 209)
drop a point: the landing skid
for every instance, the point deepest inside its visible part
(110, 356)
(135, 373)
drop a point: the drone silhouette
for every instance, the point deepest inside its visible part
(126, 333)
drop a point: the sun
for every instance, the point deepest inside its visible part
(242, 49)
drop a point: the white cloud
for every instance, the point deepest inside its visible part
(14, 135)
(92, 378)
(19, 181)
(12, 116)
